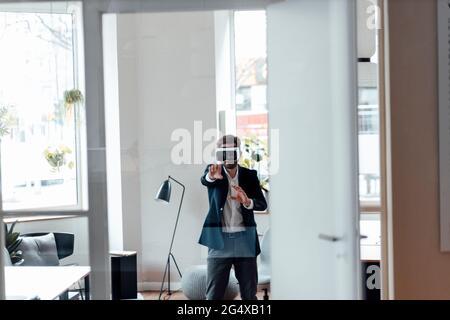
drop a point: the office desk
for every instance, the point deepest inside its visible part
(44, 283)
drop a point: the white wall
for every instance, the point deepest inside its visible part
(225, 74)
(166, 81)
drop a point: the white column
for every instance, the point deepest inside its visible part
(95, 120)
(112, 119)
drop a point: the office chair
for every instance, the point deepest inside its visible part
(64, 242)
(64, 248)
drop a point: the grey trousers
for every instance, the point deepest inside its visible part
(238, 253)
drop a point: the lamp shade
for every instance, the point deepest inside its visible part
(164, 191)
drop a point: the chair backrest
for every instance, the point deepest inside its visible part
(64, 242)
(39, 250)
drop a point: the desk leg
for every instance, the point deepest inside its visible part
(87, 294)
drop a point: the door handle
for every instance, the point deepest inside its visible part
(330, 238)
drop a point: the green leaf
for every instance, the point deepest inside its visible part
(12, 226)
(13, 247)
(11, 238)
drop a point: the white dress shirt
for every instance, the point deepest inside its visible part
(232, 220)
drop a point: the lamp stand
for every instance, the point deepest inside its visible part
(170, 255)
(167, 272)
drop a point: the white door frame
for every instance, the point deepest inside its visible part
(97, 213)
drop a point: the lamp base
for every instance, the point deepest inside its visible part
(167, 272)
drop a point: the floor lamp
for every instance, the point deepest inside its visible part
(164, 195)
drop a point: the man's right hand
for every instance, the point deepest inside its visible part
(215, 172)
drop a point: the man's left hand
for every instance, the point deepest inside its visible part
(241, 196)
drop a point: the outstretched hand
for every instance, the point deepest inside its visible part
(215, 172)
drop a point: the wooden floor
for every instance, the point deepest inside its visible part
(178, 295)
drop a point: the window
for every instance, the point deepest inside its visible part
(368, 111)
(250, 57)
(369, 146)
(41, 107)
(368, 120)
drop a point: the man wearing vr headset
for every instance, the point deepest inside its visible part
(229, 230)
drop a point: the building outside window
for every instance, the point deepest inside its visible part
(250, 48)
(369, 145)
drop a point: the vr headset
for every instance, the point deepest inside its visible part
(228, 154)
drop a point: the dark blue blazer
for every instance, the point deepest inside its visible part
(211, 235)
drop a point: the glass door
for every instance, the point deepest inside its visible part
(44, 185)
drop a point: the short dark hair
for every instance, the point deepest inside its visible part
(229, 139)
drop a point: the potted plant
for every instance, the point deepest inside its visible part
(57, 157)
(71, 99)
(12, 242)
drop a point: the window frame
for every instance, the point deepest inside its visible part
(74, 8)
